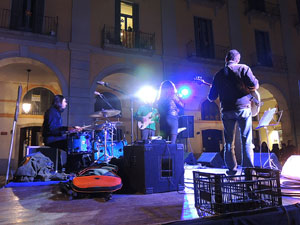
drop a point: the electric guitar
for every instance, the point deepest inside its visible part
(255, 99)
(147, 120)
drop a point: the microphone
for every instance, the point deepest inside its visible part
(97, 93)
(105, 84)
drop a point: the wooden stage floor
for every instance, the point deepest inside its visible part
(47, 205)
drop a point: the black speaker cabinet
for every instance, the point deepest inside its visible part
(188, 123)
(153, 168)
(211, 159)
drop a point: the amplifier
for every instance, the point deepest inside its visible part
(153, 168)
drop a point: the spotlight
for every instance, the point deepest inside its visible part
(147, 94)
(184, 92)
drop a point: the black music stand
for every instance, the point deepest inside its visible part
(264, 122)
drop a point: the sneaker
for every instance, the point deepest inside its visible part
(231, 172)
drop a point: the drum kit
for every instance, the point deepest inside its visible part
(97, 140)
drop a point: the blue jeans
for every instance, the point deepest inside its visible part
(244, 119)
(147, 133)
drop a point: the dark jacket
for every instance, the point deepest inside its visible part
(232, 85)
(52, 127)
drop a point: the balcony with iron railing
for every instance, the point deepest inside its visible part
(272, 61)
(209, 3)
(17, 20)
(262, 9)
(214, 52)
(128, 41)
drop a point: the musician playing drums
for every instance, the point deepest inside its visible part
(54, 134)
(147, 117)
(233, 84)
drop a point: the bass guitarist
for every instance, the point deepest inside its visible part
(233, 84)
(147, 117)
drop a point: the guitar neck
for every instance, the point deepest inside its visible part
(200, 81)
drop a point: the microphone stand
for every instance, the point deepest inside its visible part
(105, 100)
(13, 132)
(131, 108)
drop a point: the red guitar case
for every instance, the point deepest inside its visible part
(93, 181)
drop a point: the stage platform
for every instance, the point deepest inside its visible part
(47, 205)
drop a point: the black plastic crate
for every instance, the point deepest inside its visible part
(218, 193)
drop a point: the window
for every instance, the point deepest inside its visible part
(27, 15)
(204, 38)
(40, 100)
(263, 50)
(127, 23)
(126, 16)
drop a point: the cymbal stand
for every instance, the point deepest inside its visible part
(106, 156)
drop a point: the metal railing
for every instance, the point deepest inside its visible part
(214, 52)
(210, 2)
(265, 7)
(128, 39)
(271, 60)
(17, 20)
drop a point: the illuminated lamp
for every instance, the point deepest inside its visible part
(26, 105)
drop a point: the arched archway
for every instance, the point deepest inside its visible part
(13, 72)
(34, 60)
(273, 97)
(124, 80)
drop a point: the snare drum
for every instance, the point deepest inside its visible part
(80, 142)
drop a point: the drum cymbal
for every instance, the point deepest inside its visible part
(105, 113)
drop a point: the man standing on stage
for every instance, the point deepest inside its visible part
(233, 84)
(147, 117)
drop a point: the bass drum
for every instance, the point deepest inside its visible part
(115, 149)
(80, 142)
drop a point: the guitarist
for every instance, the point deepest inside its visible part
(147, 117)
(232, 84)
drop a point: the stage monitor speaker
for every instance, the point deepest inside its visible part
(153, 168)
(188, 122)
(57, 156)
(189, 158)
(211, 159)
(262, 160)
(291, 167)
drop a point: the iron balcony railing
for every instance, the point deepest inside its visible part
(269, 60)
(215, 3)
(17, 20)
(213, 52)
(128, 39)
(262, 6)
